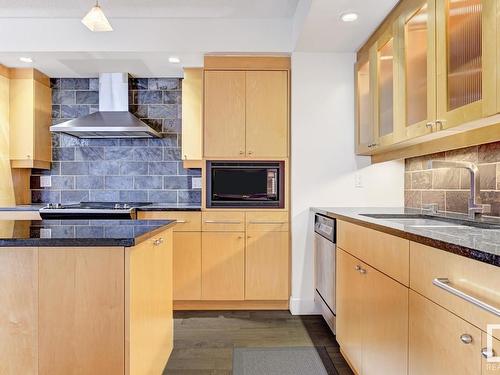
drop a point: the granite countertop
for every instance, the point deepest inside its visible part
(85, 233)
(475, 243)
(169, 207)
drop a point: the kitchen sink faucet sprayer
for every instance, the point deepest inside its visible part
(475, 208)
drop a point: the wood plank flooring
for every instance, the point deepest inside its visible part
(204, 340)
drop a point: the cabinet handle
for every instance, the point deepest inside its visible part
(429, 125)
(241, 152)
(439, 124)
(222, 222)
(266, 222)
(373, 145)
(466, 338)
(362, 271)
(158, 241)
(358, 268)
(486, 353)
(182, 221)
(445, 284)
(250, 152)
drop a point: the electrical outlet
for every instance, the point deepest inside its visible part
(196, 182)
(45, 181)
(45, 233)
(358, 180)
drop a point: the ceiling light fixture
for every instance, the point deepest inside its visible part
(174, 60)
(96, 21)
(26, 59)
(349, 17)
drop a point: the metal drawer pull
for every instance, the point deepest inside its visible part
(222, 222)
(182, 221)
(445, 284)
(158, 241)
(267, 222)
(466, 338)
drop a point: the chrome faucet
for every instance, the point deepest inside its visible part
(475, 208)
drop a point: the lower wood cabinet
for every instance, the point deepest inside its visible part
(440, 342)
(266, 265)
(223, 266)
(187, 266)
(372, 318)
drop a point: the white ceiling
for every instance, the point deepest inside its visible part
(151, 8)
(323, 31)
(147, 32)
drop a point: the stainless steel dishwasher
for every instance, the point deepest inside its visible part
(325, 261)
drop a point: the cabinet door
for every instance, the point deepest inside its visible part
(267, 114)
(386, 114)
(187, 266)
(490, 355)
(43, 118)
(266, 265)
(192, 114)
(384, 324)
(224, 105)
(365, 118)
(349, 300)
(417, 67)
(464, 59)
(439, 341)
(21, 119)
(223, 266)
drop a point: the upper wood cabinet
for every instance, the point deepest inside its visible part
(246, 114)
(192, 117)
(224, 103)
(444, 72)
(30, 119)
(365, 114)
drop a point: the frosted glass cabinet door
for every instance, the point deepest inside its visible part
(365, 131)
(416, 30)
(463, 36)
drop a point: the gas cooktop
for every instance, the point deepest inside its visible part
(91, 210)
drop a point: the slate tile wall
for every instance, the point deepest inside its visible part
(118, 169)
(449, 188)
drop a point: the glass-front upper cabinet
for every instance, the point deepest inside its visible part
(466, 48)
(365, 121)
(417, 89)
(385, 108)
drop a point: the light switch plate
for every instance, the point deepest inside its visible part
(196, 182)
(45, 181)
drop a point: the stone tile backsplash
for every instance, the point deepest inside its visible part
(449, 188)
(118, 169)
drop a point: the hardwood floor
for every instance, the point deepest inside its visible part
(204, 340)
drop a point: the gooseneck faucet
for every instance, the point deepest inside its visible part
(475, 208)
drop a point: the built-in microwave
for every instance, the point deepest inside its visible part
(237, 184)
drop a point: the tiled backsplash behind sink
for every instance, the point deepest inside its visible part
(118, 169)
(449, 188)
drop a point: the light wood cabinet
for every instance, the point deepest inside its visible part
(223, 266)
(224, 107)
(266, 114)
(372, 318)
(192, 117)
(241, 106)
(365, 112)
(266, 265)
(187, 266)
(223, 221)
(440, 342)
(30, 119)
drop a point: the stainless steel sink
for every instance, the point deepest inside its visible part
(423, 221)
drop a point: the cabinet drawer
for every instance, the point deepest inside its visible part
(389, 254)
(267, 221)
(478, 280)
(186, 221)
(222, 221)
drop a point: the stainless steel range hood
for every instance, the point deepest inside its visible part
(113, 119)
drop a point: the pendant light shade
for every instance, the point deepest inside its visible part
(96, 21)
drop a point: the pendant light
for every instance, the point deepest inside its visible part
(96, 21)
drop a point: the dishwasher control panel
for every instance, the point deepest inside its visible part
(325, 226)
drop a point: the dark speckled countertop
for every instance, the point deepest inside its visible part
(84, 233)
(476, 243)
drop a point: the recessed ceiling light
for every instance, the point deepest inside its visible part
(174, 60)
(96, 21)
(26, 59)
(349, 17)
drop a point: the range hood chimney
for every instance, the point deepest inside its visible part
(113, 119)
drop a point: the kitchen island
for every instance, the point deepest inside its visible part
(89, 297)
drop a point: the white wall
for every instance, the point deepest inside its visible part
(323, 161)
